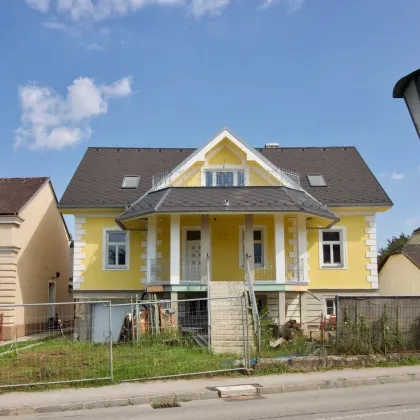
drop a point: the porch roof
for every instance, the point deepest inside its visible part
(226, 199)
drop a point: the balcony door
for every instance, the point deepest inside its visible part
(192, 261)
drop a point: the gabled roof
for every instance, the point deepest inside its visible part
(412, 252)
(215, 199)
(16, 192)
(97, 181)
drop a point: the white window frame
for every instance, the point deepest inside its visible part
(263, 229)
(326, 306)
(224, 168)
(105, 265)
(343, 248)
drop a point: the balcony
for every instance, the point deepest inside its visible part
(191, 272)
(295, 269)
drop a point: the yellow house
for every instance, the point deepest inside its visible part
(300, 222)
(399, 273)
(34, 256)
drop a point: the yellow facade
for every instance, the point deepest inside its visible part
(92, 272)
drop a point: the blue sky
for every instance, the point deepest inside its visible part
(174, 72)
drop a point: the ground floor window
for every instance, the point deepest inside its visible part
(115, 249)
(330, 306)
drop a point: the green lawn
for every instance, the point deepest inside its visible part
(60, 360)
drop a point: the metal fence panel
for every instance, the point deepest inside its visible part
(378, 324)
(54, 343)
(175, 338)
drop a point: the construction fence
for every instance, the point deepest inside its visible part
(104, 341)
(377, 324)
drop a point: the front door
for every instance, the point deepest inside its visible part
(192, 269)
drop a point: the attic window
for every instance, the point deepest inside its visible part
(130, 182)
(316, 180)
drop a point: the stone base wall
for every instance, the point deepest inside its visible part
(313, 363)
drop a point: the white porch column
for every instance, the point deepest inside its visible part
(302, 247)
(205, 246)
(280, 255)
(151, 245)
(249, 242)
(175, 259)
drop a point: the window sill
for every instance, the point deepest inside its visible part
(333, 267)
(115, 268)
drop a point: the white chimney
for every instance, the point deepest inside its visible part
(272, 146)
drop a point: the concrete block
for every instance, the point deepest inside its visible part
(209, 395)
(267, 390)
(236, 391)
(94, 404)
(327, 385)
(21, 411)
(71, 406)
(163, 399)
(302, 387)
(393, 379)
(139, 400)
(47, 409)
(120, 402)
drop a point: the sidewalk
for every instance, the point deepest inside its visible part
(195, 389)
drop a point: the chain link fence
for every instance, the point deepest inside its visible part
(92, 341)
(52, 343)
(377, 324)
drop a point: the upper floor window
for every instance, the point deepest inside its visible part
(130, 182)
(332, 248)
(217, 178)
(116, 249)
(316, 180)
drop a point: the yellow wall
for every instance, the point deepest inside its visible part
(399, 276)
(225, 156)
(95, 278)
(355, 276)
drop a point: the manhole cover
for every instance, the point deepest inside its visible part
(165, 405)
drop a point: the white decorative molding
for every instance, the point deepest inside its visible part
(370, 242)
(143, 256)
(372, 266)
(292, 229)
(280, 259)
(371, 254)
(370, 218)
(79, 245)
(143, 268)
(372, 279)
(78, 220)
(370, 230)
(80, 232)
(159, 242)
(374, 261)
(77, 273)
(158, 255)
(175, 249)
(11, 220)
(79, 267)
(76, 286)
(78, 279)
(292, 242)
(152, 231)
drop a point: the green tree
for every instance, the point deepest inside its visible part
(393, 245)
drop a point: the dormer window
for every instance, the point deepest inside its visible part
(224, 178)
(316, 180)
(130, 182)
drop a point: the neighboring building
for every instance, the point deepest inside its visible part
(301, 219)
(34, 255)
(400, 271)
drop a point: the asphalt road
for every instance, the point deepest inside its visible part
(383, 402)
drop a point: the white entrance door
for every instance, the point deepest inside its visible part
(51, 299)
(193, 261)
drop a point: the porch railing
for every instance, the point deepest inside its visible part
(190, 271)
(295, 269)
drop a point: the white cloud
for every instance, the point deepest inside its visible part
(396, 176)
(208, 7)
(94, 47)
(293, 4)
(98, 10)
(412, 221)
(52, 121)
(42, 5)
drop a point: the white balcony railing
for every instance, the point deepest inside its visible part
(295, 269)
(190, 272)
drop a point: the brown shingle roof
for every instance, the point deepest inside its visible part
(412, 252)
(213, 199)
(98, 179)
(16, 192)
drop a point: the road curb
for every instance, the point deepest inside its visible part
(208, 395)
